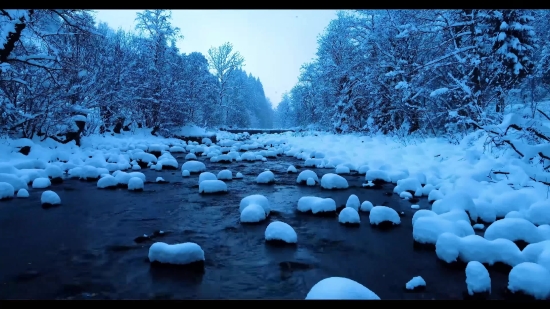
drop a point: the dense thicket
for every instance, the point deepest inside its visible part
(422, 72)
(58, 64)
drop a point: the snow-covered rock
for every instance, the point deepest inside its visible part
(135, 184)
(382, 215)
(212, 186)
(185, 173)
(207, 176)
(280, 231)
(190, 156)
(317, 205)
(50, 198)
(531, 279)
(253, 213)
(426, 230)
(353, 202)
(257, 199)
(338, 288)
(6, 190)
(305, 174)
(349, 215)
(107, 182)
(177, 254)
(239, 176)
(266, 177)
(22, 193)
(194, 167)
(477, 278)
(291, 169)
(366, 206)
(225, 175)
(41, 183)
(333, 181)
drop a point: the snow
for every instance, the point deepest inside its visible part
(316, 204)
(415, 206)
(190, 156)
(212, 186)
(311, 182)
(22, 193)
(278, 230)
(107, 181)
(477, 278)
(342, 169)
(450, 247)
(6, 190)
(291, 169)
(225, 175)
(185, 173)
(366, 206)
(253, 213)
(339, 288)
(207, 176)
(17, 182)
(50, 197)
(159, 179)
(514, 229)
(239, 176)
(135, 184)
(426, 230)
(539, 213)
(353, 202)
(265, 177)
(305, 174)
(531, 279)
(379, 214)
(257, 199)
(177, 254)
(193, 167)
(41, 183)
(415, 282)
(349, 215)
(333, 181)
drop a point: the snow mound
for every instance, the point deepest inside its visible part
(22, 193)
(316, 205)
(305, 174)
(193, 167)
(185, 173)
(50, 198)
(381, 214)
(353, 202)
(450, 248)
(531, 279)
(280, 231)
(16, 182)
(253, 213)
(332, 181)
(225, 175)
(266, 177)
(456, 200)
(239, 176)
(377, 176)
(342, 169)
(107, 182)
(207, 176)
(291, 169)
(41, 183)
(190, 156)
(338, 288)
(212, 186)
(477, 278)
(6, 190)
(366, 206)
(349, 215)
(178, 254)
(257, 199)
(426, 230)
(514, 229)
(135, 184)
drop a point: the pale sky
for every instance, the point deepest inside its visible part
(274, 43)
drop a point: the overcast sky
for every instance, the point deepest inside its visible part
(274, 43)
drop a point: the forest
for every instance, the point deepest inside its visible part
(402, 73)
(59, 65)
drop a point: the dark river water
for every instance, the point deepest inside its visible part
(85, 249)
